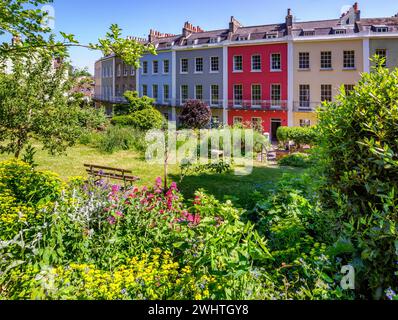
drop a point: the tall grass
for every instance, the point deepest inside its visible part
(115, 138)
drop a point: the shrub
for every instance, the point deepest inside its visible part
(147, 119)
(299, 160)
(121, 138)
(27, 185)
(195, 114)
(135, 103)
(359, 147)
(299, 135)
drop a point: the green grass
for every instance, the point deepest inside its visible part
(240, 189)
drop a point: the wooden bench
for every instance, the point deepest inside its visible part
(101, 172)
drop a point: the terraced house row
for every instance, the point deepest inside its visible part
(269, 75)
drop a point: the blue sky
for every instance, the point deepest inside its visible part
(90, 19)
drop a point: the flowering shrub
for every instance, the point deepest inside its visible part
(149, 277)
(98, 241)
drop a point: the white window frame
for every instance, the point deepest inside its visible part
(309, 96)
(309, 61)
(211, 64)
(211, 95)
(234, 63)
(325, 88)
(184, 72)
(203, 65)
(234, 101)
(381, 29)
(157, 92)
(307, 121)
(344, 60)
(385, 55)
(323, 60)
(181, 98)
(276, 106)
(196, 92)
(145, 86)
(251, 96)
(153, 66)
(234, 122)
(132, 71)
(145, 63)
(252, 62)
(280, 62)
(164, 63)
(164, 93)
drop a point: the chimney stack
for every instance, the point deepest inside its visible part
(189, 29)
(154, 34)
(289, 21)
(234, 25)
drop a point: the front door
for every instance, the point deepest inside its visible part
(275, 124)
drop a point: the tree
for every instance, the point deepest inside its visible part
(23, 20)
(134, 103)
(35, 104)
(358, 138)
(195, 114)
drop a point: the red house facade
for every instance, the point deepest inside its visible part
(258, 85)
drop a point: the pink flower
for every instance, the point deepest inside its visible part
(145, 189)
(161, 211)
(119, 214)
(173, 186)
(112, 220)
(107, 209)
(115, 188)
(158, 181)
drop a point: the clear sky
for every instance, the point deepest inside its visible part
(90, 19)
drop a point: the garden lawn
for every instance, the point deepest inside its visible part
(240, 189)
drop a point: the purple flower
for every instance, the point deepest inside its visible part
(390, 294)
(112, 220)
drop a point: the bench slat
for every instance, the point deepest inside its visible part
(107, 168)
(112, 175)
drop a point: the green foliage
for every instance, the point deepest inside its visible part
(147, 119)
(138, 113)
(129, 50)
(298, 160)
(34, 104)
(135, 103)
(119, 138)
(359, 147)
(299, 135)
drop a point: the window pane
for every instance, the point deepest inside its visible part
(199, 64)
(199, 92)
(275, 94)
(256, 94)
(304, 96)
(326, 92)
(326, 60)
(275, 61)
(214, 64)
(238, 94)
(184, 65)
(349, 59)
(238, 63)
(214, 95)
(304, 60)
(256, 63)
